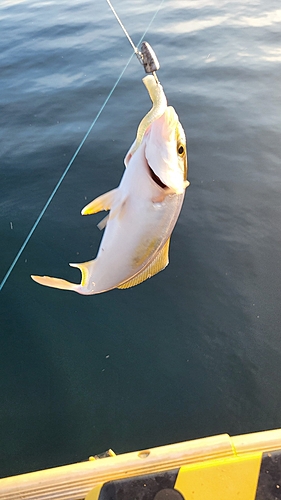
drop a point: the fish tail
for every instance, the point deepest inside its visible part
(56, 283)
(85, 268)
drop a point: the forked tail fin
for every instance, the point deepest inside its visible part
(85, 268)
(56, 283)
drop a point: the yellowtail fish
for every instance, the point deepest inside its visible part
(144, 208)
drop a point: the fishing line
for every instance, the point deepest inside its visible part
(81, 143)
(122, 26)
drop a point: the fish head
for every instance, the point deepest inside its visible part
(166, 152)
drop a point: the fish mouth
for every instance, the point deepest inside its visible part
(156, 179)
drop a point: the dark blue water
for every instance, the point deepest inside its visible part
(196, 350)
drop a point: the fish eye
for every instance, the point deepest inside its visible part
(181, 150)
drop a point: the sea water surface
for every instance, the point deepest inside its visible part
(196, 350)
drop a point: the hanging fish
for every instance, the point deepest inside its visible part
(143, 209)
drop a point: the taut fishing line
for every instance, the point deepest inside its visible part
(82, 142)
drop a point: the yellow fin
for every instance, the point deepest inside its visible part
(103, 202)
(84, 268)
(119, 211)
(158, 264)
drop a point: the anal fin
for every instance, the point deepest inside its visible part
(102, 202)
(158, 264)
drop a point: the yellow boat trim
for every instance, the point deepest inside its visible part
(213, 468)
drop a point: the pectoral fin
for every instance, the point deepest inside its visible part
(158, 264)
(103, 202)
(101, 225)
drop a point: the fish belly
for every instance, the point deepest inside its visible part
(132, 240)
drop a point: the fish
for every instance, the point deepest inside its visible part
(143, 209)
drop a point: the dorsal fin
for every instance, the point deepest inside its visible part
(102, 202)
(158, 264)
